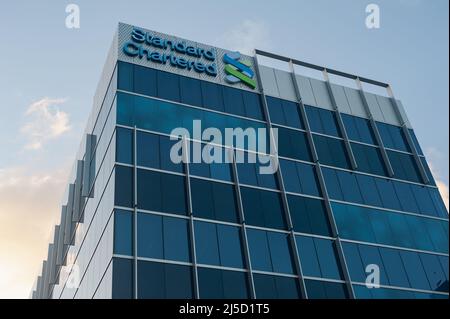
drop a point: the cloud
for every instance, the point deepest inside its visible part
(443, 189)
(246, 36)
(434, 157)
(29, 209)
(46, 122)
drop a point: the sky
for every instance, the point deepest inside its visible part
(49, 73)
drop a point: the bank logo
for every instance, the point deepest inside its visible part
(238, 71)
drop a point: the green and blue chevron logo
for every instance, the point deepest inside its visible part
(238, 71)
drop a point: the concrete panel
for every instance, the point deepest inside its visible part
(341, 98)
(321, 94)
(355, 102)
(306, 91)
(285, 85)
(268, 81)
(374, 107)
(387, 108)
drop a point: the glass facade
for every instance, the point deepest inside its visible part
(255, 239)
(216, 231)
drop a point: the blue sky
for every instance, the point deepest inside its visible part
(48, 75)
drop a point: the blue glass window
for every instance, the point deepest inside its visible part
(284, 112)
(251, 174)
(300, 178)
(387, 193)
(393, 137)
(213, 200)
(270, 251)
(124, 184)
(355, 266)
(424, 200)
(325, 290)
(352, 222)
(397, 267)
(168, 86)
(163, 237)
(122, 282)
(124, 146)
(191, 92)
(212, 96)
(141, 112)
(233, 101)
(406, 197)
(368, 159)
(394, 267)
(331, 151)
(252, 104)
(416, 142)
(427, 170)
(322, 121)
(332, 184)
(263, 208)
(164, 281)
(154, 151)
(349, 187)
(358, 129)
(123, 232)
(145, 80)
(222, 284)
(309, 215)
(370, 255)
(439, 206)
(218, 245)
(276, 287)
(220, 170)
(369, 190)
(125, 77)
(389, 228)
(161, 192)
(404, 166)
(318, 257)
(293, 144)
(414, 270)
(444, 263)
(435, 274)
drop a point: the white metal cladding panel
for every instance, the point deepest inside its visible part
(403, 114)
(125, 31)
(374, 107)
(104, 290)
(269, 81)
(355, 102)
(305, 89)
(103, 84)
(387, 108)
(341, 98)
(321, 94)
(88, 233)
(99, 262)
(285, 85)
